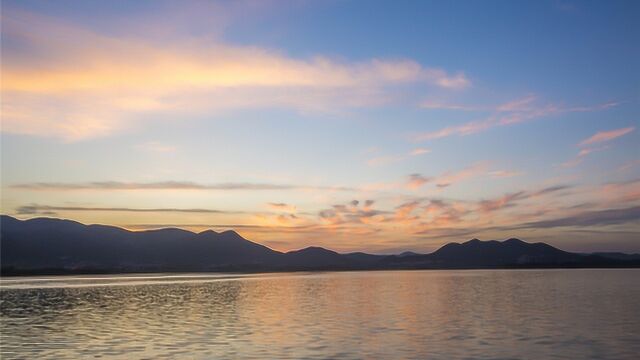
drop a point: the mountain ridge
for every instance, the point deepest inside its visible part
(51, 245)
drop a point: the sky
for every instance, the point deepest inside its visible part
(378, 126)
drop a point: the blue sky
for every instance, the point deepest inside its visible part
(376, 126)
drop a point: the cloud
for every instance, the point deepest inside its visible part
(502, 202)
(510, 199)
(282, 207)
(352, 213)
(47, 209)
(73, 83)
(437, 105)
(581, 156)
(499, 174)
(419, 151)
(416, 181)
(604, 136)
(168, 185)
(522, 104)
(461, 130)
(368, 204)
(599, 137)
(620, 192)
(552, 189)
(440, 213)
(510, 113)
(404, 211)
(629, 165)
(449, 178)
(590, 218)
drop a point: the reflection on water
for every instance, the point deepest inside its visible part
(568, 314)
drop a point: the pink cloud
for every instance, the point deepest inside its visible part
(518, 104)
(581, 155)
(510, 113)
(504, 201)
(450, 178)
(604, 136)
(419, 151)
(504, 174)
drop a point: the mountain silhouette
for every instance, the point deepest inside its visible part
(479, 254)
(47, 245)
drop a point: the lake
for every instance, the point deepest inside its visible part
(471, 314)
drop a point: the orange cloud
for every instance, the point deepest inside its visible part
(449, 178)
(501, 202)
(282, 207)
(81, 84)
(404, 211)
(416, 181)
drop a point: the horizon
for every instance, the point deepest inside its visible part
(307, 123)
(399, 252)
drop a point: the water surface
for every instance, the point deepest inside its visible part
(472, 314)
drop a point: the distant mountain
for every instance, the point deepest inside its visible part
(482, 254)
(618, 255)
(408, 253)
(46, 245)
(316, 258)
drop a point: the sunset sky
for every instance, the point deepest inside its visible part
(354, 125)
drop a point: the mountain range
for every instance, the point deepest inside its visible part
(48, 245)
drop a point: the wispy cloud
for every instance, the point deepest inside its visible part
(47, 209)
(419, 151)
(168, 185)
(598, 138)
(352, 213)
(282, 207)
(510, 199)
(590, 218)
(629, 165)
(498, 174)
(439, 105)
(502, 202)
(510, 113)
(604, 136)
(404, 212)
(416, 181)
(521, 104)
(451, 177)
(581, 156)
(101, 92)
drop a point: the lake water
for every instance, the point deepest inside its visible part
(523, 314)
